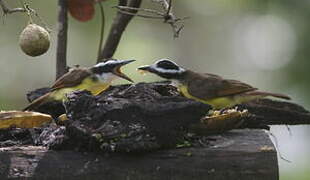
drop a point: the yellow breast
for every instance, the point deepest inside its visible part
(219, 102)
(95, 87)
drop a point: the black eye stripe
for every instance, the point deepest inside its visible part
(103, 69)
(165, 64)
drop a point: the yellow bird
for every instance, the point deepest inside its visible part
(207, 88)
(94, 79)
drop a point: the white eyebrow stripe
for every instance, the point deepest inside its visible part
(172, 71)
(107, 62)
(100, 64)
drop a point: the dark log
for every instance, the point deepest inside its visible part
(239, 154)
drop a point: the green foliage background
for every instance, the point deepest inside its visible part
(262, 42)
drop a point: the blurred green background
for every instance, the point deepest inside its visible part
(262, 42)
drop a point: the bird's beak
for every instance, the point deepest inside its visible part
(117, 70)
(144, 69)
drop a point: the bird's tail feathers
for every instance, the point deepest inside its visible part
(262, 93)
(37, 102)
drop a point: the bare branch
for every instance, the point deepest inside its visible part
(120, 22)
(25, 9)
(102, 29)
(61, 52)
(167, 15)
(7, 10)
(170, 18)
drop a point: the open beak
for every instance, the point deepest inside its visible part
(117, 70)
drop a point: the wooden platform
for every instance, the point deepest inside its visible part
(238, 154)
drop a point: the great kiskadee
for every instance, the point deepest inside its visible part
(94, 79)
(207, 88)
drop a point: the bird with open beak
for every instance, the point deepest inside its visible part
(95, 79)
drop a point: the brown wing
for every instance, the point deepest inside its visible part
(71, 78)
(208, 86)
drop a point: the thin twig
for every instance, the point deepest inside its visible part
(169, 7)
(140, 9)
(141, 15)
(170, 18)
(42, 21)
(167, 15)
(26, 9)
(102, 30)
(289, 130)
(7, 10)
(120, 22)
(277, 146)
(159, 15)
(61, 52)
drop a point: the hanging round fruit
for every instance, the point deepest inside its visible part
(34, 40)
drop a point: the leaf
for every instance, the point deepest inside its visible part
(82, 10)
(23, 119)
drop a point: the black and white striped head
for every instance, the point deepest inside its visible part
(164, 68)
(111, 68)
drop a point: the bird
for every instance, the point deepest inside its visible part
(205, 87)
(95, 79)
